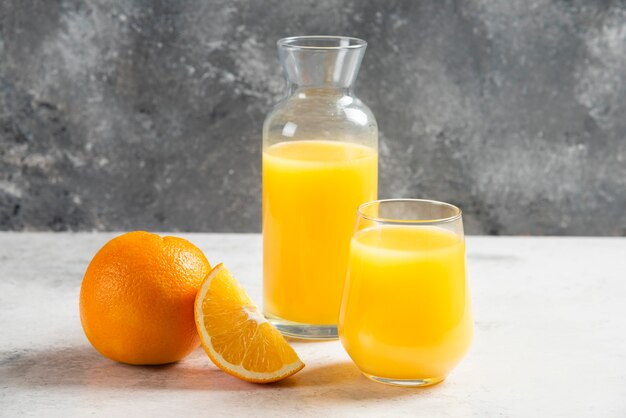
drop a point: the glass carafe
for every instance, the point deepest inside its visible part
(320, 162)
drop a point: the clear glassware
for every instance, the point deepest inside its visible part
(320, 161)
(406, 312)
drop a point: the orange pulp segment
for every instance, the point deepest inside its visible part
(236, 336)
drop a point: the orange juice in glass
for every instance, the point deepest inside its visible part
(406, 312)
(320, 162)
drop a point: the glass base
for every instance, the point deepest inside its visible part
(407, 383)
(302, 331)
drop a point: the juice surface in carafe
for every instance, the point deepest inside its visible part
(311, 191)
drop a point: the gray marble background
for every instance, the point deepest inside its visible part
(147, 114)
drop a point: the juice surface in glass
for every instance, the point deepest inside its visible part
(311, 190)
(406, 311)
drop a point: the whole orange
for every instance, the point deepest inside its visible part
(137, 298)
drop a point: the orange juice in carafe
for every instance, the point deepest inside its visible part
(311, 190)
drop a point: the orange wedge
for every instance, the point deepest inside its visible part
(236, 337)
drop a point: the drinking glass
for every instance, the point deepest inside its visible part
(405, 316)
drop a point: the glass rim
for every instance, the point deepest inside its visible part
(457, 212)
(293, 42)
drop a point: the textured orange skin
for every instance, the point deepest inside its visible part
(137, 298)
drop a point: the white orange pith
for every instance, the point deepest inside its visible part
(236, 337)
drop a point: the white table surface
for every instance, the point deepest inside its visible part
(550, 341)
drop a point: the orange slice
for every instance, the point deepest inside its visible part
(236, 337)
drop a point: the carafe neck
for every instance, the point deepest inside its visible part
(321, 63)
